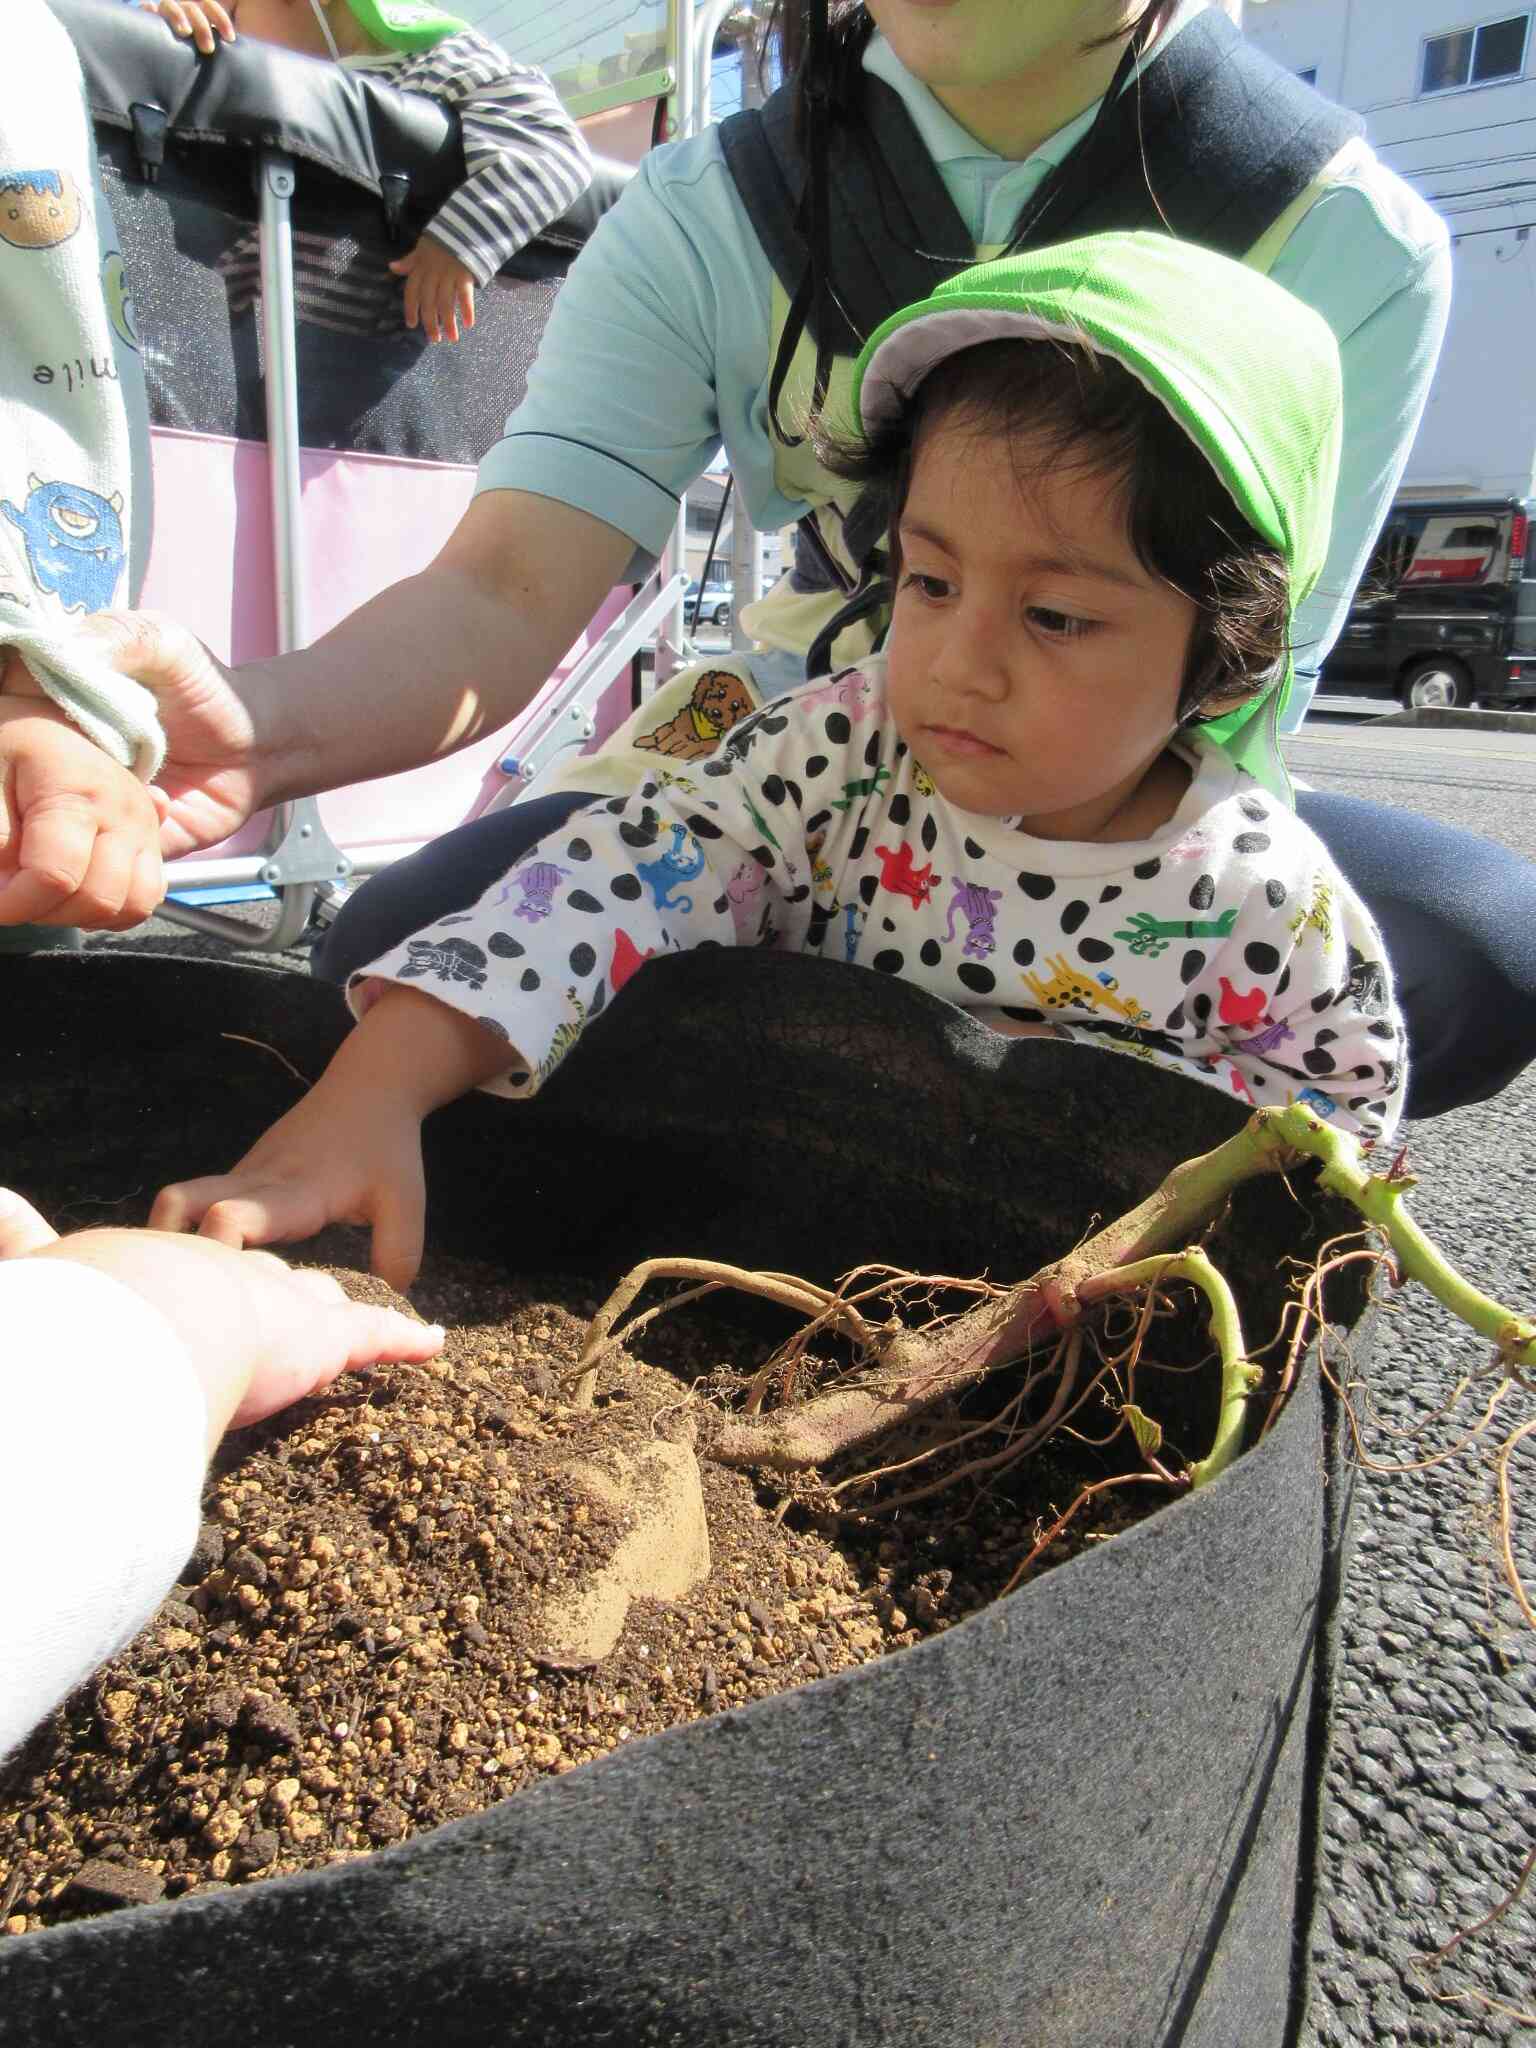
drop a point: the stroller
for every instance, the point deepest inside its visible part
(307, 448)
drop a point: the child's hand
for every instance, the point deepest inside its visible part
(439, 289)
(79, 835)
(340, 1156)
(203, 20)
(350, 1152)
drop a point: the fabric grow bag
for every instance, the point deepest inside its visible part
(1084, 1817)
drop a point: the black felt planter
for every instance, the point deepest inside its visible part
(1082, 1818)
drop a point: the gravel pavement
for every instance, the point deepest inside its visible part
(1432, 1781)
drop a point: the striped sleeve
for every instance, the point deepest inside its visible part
(527, 161)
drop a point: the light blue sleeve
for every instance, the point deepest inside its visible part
(1381, 277)
(654, 354)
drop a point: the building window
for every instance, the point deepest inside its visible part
(1309, 75)
(1484, 55)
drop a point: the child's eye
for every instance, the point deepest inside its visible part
(931, 587)
(1058, 625)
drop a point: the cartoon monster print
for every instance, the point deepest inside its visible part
(1069, 986)
(662, 875)
(899, 876)
(538, 882)
(1239, 1086)
(627, 959)
(117, 292)
(1314, 1098)
(849, 690)
(854, 915)
(1195, 845)
(448, 959)
(978, 907)
(760, 823)
(1367, 983)
(922, 781)
(1318, 913)
(1269, 1038)
(745, 884)
(1150, 935)
(866, 785)
(1123, 1006)
(38, 209)
(1243, 1010)
(822, 876)
(720, 700)
(74, 542)
(566, 1035)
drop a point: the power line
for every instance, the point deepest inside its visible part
(1471, 163)
(1444, 134)
(1509, 228)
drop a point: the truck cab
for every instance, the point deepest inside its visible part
(1446, 611)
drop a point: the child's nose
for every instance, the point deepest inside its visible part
(975, 653)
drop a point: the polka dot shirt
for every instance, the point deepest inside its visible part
(1228, 946)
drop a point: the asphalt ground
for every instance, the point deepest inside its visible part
(1432, 1779)
(1431, 1806)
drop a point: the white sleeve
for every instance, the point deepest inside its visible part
(102, 1434)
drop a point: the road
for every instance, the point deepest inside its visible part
(1433, 1776)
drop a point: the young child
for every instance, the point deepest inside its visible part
(1101, 513)
(527, 161)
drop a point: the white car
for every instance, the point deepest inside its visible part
(715, 605)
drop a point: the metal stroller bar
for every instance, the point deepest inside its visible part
(299, 852)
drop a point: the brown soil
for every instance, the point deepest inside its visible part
(398, 1611)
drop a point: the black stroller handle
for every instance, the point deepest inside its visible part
(402, 147)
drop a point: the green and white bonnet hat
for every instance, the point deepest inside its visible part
(1249, 372)
(406, 24)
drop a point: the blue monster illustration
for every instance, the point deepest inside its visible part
(74, 538)
(662, 875)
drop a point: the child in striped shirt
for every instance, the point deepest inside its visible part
(527, 162)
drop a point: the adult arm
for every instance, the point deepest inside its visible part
(426, 667)
(1378, 269)
(621, 415)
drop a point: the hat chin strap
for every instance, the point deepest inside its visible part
(318, 10)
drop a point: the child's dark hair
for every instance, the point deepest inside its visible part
(1071, 407)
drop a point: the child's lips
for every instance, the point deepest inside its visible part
(955, 739)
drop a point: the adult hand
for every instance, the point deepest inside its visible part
(210, 778)
(78, 833)
(260, 1335)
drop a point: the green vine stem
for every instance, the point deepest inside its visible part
(1271, 1139)
(1379, 1198)
(1239, 1376)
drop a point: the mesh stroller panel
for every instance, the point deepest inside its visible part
(366, 383)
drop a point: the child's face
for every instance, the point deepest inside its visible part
(1034, 663)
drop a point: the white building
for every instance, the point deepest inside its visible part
(1449, 99)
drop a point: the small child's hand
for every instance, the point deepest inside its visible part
(439, 289)
(79, 835)
(339, 1156)
(203, 20)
